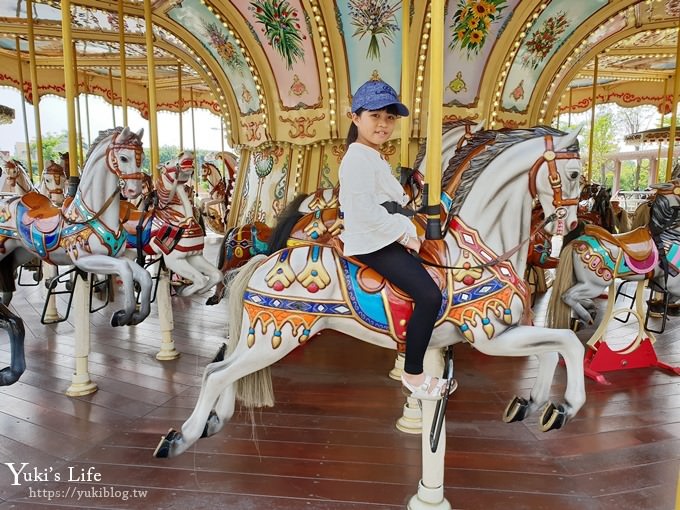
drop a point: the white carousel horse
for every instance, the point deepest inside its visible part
(590, 263)
(279, 302)
(53, 183)
(170, 229)
(87, 232)
(14, 179)
(214, 208)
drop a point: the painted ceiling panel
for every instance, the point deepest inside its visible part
(371, 30)
(555, 24)
(471, 30)
(195, 17)
(283, 31)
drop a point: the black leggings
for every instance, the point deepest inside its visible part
(395, 264)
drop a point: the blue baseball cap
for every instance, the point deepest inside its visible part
(376, 95)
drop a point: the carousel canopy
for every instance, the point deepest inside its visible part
(285, 70)
(651, 136)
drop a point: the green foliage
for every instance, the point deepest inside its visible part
(52, 145)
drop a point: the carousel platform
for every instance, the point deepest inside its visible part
(330, 443)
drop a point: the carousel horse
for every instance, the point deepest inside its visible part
(214, 209)
(53, 183)
(279, 302)
(243, 242)
(591, 262)
(15, 179)
(170, 229)
(87, 231)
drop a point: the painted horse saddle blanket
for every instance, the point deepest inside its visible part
(639, 251)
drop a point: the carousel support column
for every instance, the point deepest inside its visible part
(570, 103)
(592, 121)
(674, 110)
(430, 494)
(616, 184)
(34, 87)
(23, 110)
(81, 153)
(113, 95)
(51, 312)
(662, 109)
(123, 70)
(80, 382)
(180, 103)
(87, 112)
(193, 138)
(653, 170)
(167, 348)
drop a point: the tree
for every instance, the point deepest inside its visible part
(634, 120)
(52, 145)
(604, 141)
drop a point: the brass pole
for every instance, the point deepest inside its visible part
(663, 105)
(674, 109)
(87, 111)
(70, 80)
(23, 111)
(404, 160)
(592, 120)
(113, 95)
(123, 71)
(224, 172)
(193, 136)
(434, 120)
(153, 121)
(34, 83)
(570, 103)
(181, 105)
(81, 154)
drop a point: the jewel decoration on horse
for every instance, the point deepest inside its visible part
(87, 232)
(279, 302)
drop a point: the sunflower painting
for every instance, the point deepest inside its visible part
(471, 22)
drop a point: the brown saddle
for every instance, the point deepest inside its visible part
(41, 212)
(637, 244)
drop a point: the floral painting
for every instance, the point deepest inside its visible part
(224, 47)
(281, 27)
(376, 19)
(541, 42)
(471, 22)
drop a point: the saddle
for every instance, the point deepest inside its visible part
(638, 247)
(40, 212)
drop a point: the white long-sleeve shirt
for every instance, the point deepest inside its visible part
(366, 181)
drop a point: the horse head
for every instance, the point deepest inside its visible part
(665, 209)
(209, 173)
(178, 170)
(53, 182)
(124, 156)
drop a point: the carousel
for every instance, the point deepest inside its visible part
(149, 368)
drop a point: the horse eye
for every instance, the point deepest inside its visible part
(573, 175)
(124, 159)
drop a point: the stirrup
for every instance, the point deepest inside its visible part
(423, 392)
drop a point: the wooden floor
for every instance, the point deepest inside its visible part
(330, 442)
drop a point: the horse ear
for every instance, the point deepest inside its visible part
(478, 127)
(140, 133)
(563, 142)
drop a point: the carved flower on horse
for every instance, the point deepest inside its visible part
(377, 19)
(471, 22)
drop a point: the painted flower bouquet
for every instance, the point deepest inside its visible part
(542, 41)
(281, 27)
(376, 19)
(471, 22)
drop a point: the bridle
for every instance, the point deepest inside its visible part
(550, 157)
(112, 158)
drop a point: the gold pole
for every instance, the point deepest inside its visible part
(663, 105)
(181, 105)
(113, 106)
(434, 120)
(404, 160)
(81, 154)
(674, 109)
(592, 120)
(70, 79)
(123, 71)
(87, 111)
(570, 103)
(34, 83)
(193, 136)
(224, 170)
(153, 124)
(23, 111)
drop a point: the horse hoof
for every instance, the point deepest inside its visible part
(220, 353)
(117, 319)
(212, 417)
(212, 300)
(162, 451)
(516, 410)
(553, 417)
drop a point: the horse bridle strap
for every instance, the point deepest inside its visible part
(550, 157)
(98, 214)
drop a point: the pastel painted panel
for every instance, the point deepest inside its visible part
(555, 25)
(197, 19)
(472, 29)
(283, 32)
(371, 30)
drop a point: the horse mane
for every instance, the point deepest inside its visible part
(500, 141)
(661, 214)
(285, 223)
(446, 127)
(102, 135)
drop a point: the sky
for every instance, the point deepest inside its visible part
(53, 121)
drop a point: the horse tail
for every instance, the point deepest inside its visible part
(253, 390)
(558, 313)
(221, 257)
(285, 223)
